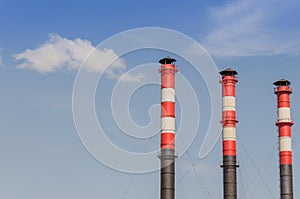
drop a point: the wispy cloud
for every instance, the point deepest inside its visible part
(59, 53)
(1, 60)
(253, 28)
(127, 77)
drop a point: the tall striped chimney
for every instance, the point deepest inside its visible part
(229, 122)
(284, 123)
(167, 154)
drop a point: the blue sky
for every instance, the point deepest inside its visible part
(42, 44)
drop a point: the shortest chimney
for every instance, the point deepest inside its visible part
(284, 123)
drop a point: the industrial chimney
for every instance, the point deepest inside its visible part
(229, 122)
(167, 154)
(284, 123)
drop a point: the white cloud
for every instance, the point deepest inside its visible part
(253, 28)
(60, 53)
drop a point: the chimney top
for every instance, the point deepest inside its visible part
(228, 72)
(167, 60)
(282, 82)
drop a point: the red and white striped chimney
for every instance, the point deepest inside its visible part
(284, 123)
(229, 122)
(167, 156)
